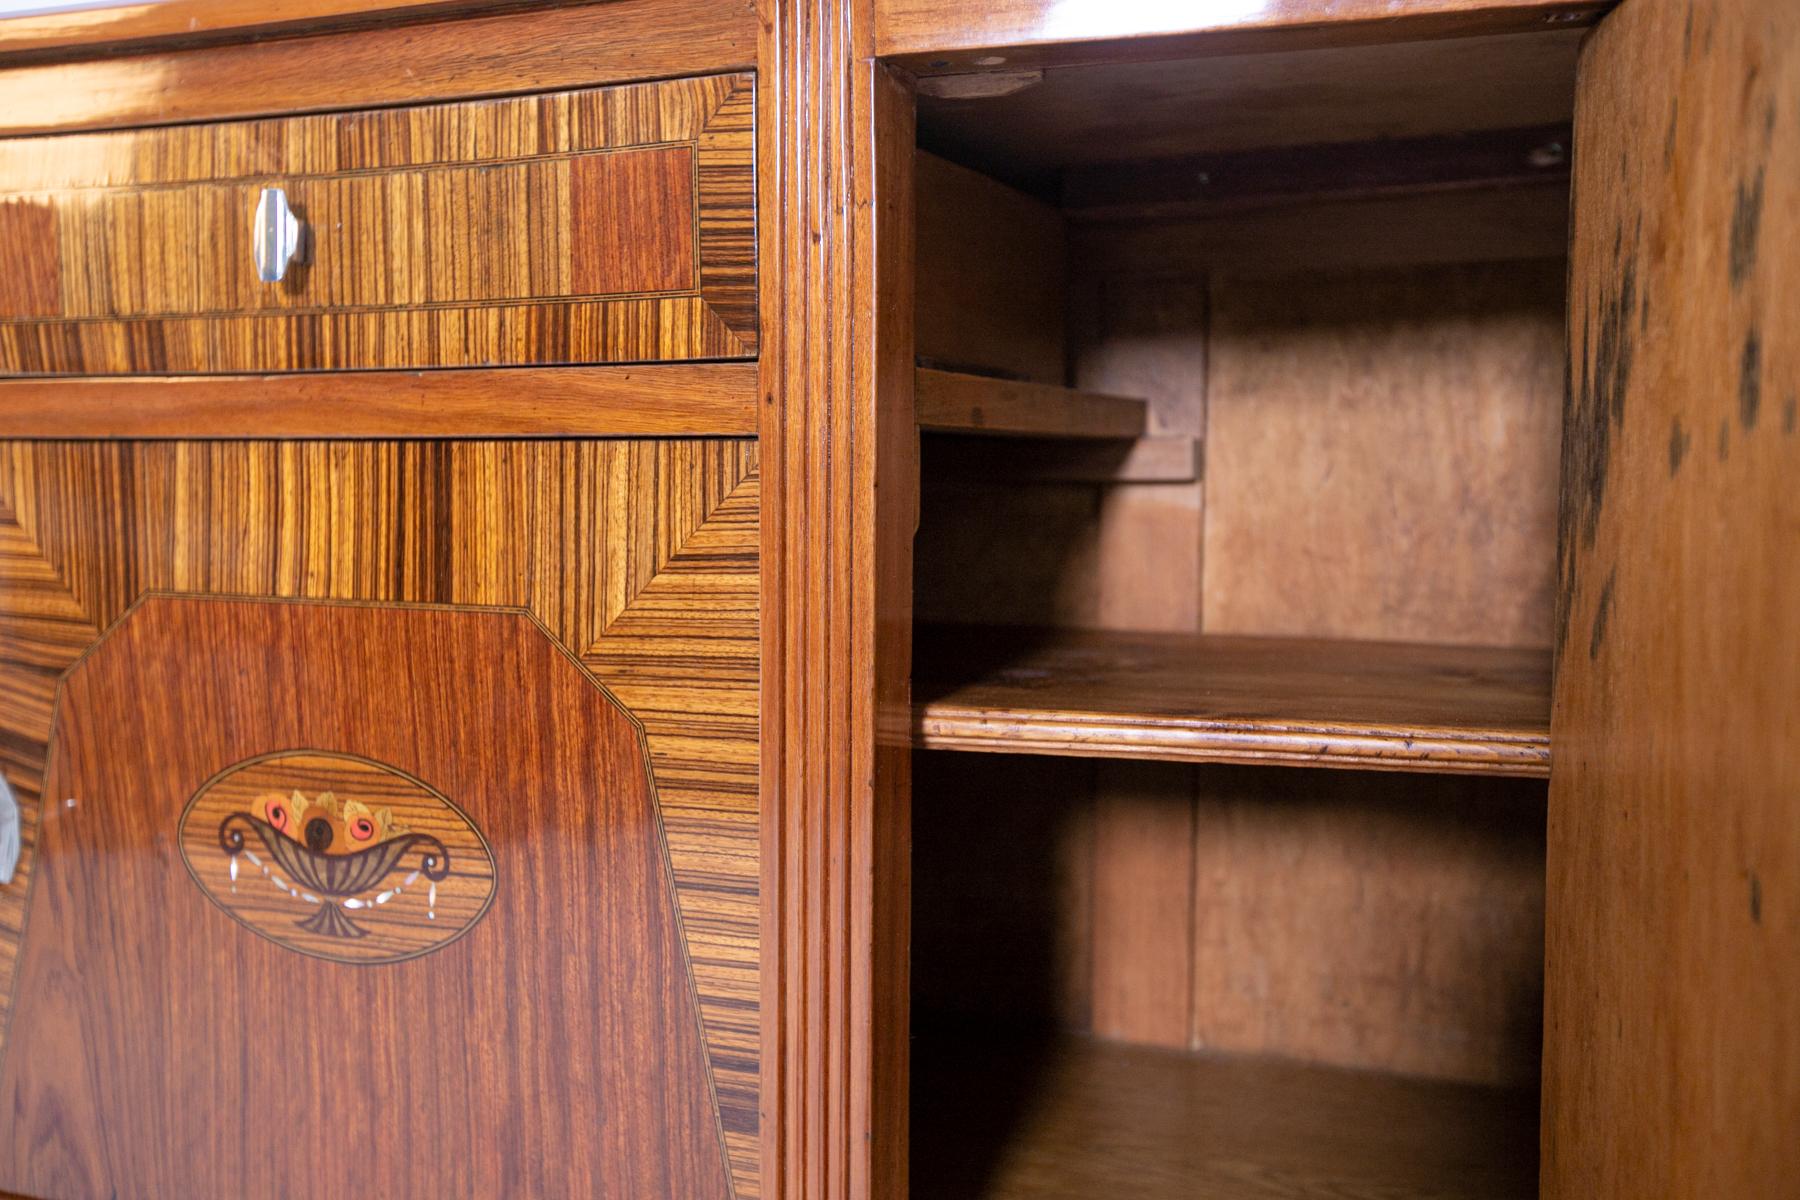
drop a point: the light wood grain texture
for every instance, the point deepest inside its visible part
(605, 225)
(668, 399)
(1367, 920)
(120, 27)
(155, 1045)
(1142, 112)
(951, 402)
(1380, 456)
(559, 47)
(1210, 698)
(840, 446)
(990, 267)
(639, 556)
(1148, 337)
(1672, 1055)
(1142, 919)
(1081, 1120)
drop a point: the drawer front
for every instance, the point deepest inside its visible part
(593, 226)
(515, 684)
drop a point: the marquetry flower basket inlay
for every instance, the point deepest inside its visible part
(337, 857)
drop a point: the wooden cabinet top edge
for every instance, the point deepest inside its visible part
(120, 28)
(458, 56)
(943, 37)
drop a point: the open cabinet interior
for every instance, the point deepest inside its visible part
(1240, 388)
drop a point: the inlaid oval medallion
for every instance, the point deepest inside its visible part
(337, 857)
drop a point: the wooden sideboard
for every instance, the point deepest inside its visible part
(864, 598)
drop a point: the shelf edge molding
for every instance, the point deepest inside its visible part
(948, 727)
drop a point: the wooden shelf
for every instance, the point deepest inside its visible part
(1085, 1120)
(1191, 698)
(953, 402)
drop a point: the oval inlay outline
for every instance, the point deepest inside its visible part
(336, 856)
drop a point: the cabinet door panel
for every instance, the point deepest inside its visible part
(1672, 1040)
(536, 661)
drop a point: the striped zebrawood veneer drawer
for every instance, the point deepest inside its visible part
(594, 226)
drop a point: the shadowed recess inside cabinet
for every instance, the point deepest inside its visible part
(1277, 339)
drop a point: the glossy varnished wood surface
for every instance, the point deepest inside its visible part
(575, 46)
(666, 400)
(1672, 1037)
(121, 27)
(640, 557)
(156, 1046)
(951, 402)
(839, 444)
(1188, 698)
(601, 225)
(946, 37)
(1084, 1120)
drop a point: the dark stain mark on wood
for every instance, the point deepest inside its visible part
(1755, 898)
(1746, 224)
(1593, 406)
(1602, 611)
(1678, 445)
(1790, 413)
(1724, 439)
(1750, 379)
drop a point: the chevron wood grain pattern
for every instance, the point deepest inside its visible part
(639, 555)
(456, 58)
(600, 225)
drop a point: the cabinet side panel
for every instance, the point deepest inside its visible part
(1672, 1041)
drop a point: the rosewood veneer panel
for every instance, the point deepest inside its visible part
(157, 1046)
(639, 556)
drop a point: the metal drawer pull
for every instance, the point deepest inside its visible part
(276, 235)
(9, 832)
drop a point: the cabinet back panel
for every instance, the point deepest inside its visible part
(1382, 455)
(1354, 918)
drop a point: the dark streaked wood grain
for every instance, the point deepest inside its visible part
(1212, 184)
(839, 444)
(639, 555)
(951, 402)
(998, 1119)
(568, 227)
(1206, 698)
(944, 37)
(157, 1046)
(1131, 113)
(1672, 1037)
(664, 399)
(564, 46)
